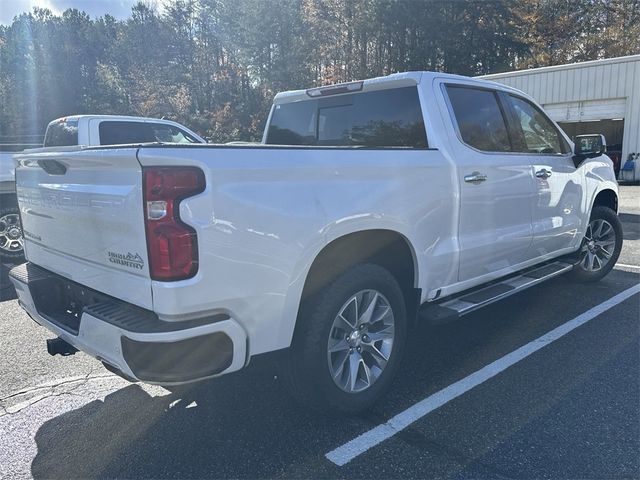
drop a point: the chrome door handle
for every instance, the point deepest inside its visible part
(544, 173)
(475, 178)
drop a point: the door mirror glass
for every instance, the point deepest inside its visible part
(590, 145)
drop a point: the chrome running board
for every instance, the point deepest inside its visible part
(469, 301)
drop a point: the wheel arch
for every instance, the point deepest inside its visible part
(387, 248)
(606, 197)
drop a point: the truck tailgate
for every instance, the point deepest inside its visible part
(82, 216)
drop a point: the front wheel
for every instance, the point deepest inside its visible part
(600, 247)
(349, 342)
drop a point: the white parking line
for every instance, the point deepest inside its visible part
(350, 450)
(626, 265)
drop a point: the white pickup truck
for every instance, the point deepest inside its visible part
(115, 130)
(370, 206)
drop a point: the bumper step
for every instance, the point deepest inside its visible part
(130, 340)
(454, 307)
(54, 295)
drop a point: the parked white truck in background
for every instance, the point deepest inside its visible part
(85, 130)
(90, 130)
(371, 204)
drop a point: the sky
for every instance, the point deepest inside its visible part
(95, 8)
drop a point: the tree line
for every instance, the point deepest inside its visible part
(215, 65)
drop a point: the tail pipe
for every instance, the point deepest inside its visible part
(57, 346)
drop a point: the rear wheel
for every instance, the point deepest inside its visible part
(349, 341)
(600, 247)
(11, 240)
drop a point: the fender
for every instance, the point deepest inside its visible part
(599, 176)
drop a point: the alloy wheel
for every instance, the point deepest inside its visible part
(598, 246)
(360, 341)
(11, 233)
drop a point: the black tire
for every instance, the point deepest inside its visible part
(305, 366)
(9, 209)
(582, 274)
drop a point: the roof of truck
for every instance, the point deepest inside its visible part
(395, 80)
(113, 117)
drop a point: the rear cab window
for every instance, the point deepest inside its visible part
(61, 133)
(125, 132)
(378, 119)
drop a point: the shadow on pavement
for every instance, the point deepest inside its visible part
(241, 425)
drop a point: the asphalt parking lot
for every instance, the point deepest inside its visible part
(570, 408)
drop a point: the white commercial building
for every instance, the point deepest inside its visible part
(601, 96)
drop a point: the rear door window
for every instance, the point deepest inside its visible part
(119, 133)
(479, 118)
(61, 133)
(378, 119)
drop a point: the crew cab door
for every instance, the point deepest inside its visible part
(557, 212)
(496, 186)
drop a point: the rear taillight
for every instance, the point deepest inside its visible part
(171, 244)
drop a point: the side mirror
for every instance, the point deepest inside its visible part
(594, 144)
(588, 146)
